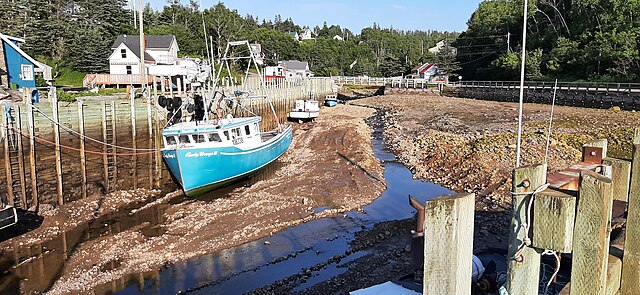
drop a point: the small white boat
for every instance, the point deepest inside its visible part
(305, 110)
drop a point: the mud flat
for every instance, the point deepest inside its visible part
(470, 145)
(330, 165)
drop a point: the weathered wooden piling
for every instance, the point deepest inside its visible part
(448, 246)
(56, 136)
(631, 259)
(620, 177)
(32, 152)
(591, 242)
(554, 215)
(523, 261)
(83, 162)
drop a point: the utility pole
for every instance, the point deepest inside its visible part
(508, 42)
(143, 74)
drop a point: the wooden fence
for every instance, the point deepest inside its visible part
(585, 220)
(48, 163)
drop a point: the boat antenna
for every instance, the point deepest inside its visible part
(522, 71)
(206, 44)
(553, 104)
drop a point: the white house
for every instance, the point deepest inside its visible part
(307, 35)
(125, 59)
(337, 37)
(296, 70)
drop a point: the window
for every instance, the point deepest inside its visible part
(123, 52)
(214, 137)
(185, 138)
(198, 138)
(26, 72)
(246, 129)
(235, 133)
(128, 70)
(256, 127)
(170, 140)
(226, 134)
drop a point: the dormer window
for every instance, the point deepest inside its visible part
(123, 52)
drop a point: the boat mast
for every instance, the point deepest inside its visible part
(522, 71)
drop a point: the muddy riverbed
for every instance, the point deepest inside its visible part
(307, 224)
(331, 165)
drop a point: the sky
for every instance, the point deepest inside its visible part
(442, 15)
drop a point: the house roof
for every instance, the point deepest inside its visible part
(295, 65)
(39, 66)
(151, 42)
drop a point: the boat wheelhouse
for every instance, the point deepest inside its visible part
(331, 100)
(305, 109)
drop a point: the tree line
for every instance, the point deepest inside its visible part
(78, 34)
(595, 40)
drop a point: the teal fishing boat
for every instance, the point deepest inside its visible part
(204, 154)
(331, 100)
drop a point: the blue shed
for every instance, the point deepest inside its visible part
(18, 69)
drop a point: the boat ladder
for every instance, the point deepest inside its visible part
(16, 194)
(109, 136)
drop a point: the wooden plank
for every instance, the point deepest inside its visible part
(591, 235)
(132, 105)
(448, 258)
(83, 162)
(620, 177)
(554, 216)
(631, 259)
(524, 270)
(636, 136)
(32, 154)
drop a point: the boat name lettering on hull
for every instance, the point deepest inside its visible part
(200, 154)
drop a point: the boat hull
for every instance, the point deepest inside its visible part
(304, 115)
(331, 103)
(200, 170)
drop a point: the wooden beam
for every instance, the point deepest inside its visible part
(32, 154)
(523, 269)
(620, 177)
(83, 162)
(7, 160)
(56, 135)
(636, 136)
(591, 235)
(631, 259)
(554, 215)
(448, 244)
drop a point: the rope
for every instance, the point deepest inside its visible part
(89, 138)
(557, 269)
(42, 140)
(526, 241)
(553, 104)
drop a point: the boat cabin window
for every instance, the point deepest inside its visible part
(185, 138)
(246, 129)
(257, 128)
(199, 138)
(226, 134)
(170, 140)
(235, 133)
(214, 137)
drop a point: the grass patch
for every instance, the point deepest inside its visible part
(68, 77)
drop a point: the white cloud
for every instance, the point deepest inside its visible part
(398, 7)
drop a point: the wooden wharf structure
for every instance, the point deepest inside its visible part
(578, 211)
(99, 146)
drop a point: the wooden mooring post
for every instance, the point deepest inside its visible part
(83, 162)
(591, 239)
(523, 260)
(630, 284)
(448, 244)
(53, 96)
(32, 153)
